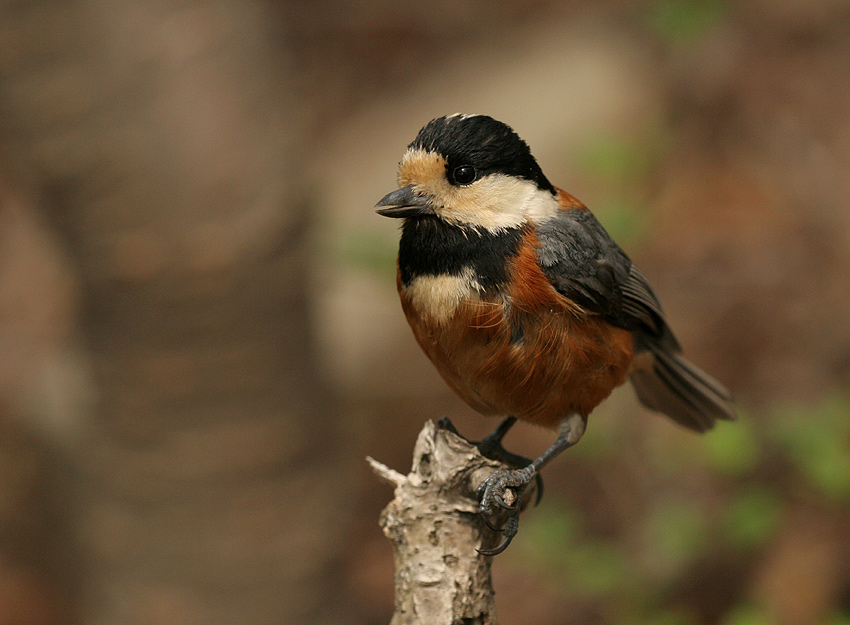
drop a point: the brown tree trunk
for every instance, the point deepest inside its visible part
(163, 139)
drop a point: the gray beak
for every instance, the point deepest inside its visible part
(404, 203)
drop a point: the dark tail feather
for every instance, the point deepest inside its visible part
(682, 391)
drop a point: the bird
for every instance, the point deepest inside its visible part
(523, 302)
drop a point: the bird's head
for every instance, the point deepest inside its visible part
(470, 171)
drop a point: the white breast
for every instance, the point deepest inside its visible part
(437, 298)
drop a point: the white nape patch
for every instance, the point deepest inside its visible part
(438, 297)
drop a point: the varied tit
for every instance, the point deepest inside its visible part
(523, 302)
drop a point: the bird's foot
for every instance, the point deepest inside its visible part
(491, 447)
(515, 461)
(500, 496)
(502, 492)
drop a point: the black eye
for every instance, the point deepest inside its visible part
(465, 174)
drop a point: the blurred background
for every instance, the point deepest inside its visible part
(200, 338)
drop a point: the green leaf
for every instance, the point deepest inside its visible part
(373, 252)
(597, 567)
(817, 439)
(733, 449)
(684, 22)
(747, 615)
(676, 531)
(753, 517)
(839, 618)
(548, 534)
(622, 158)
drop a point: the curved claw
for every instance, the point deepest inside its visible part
(498, 548)
(508, 534)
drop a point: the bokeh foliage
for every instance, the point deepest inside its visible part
(760, 468)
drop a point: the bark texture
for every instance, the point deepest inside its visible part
(433, 523)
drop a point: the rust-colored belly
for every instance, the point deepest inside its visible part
(537, 365)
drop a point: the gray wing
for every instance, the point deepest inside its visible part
(584, 263)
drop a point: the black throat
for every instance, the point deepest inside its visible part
(430, 247)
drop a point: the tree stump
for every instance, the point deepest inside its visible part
(435, 528)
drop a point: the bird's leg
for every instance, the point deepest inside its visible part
(492, 491)
(491, 447)
(495, 437)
